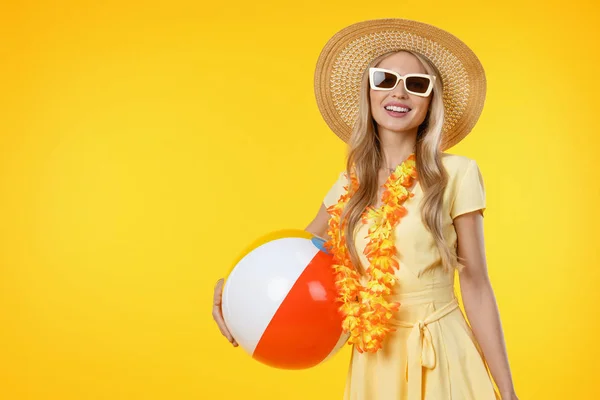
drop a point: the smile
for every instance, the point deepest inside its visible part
(396, 112)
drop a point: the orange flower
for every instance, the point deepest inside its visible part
(366, 311)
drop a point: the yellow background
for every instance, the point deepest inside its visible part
(143, 145)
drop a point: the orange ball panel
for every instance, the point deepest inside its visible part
(307, 325)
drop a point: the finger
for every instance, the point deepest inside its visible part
(218, 293)
(222, 326)
(218, 315)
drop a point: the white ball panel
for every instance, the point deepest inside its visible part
(258, 285)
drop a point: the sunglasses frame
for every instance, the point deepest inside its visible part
(402, 78)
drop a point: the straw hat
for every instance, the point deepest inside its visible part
(347, 54)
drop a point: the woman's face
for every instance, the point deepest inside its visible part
(402, 63)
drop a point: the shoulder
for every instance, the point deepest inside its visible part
(456, 163)
(465, 187)
(341, 180)
(336, 190)
(462, 171)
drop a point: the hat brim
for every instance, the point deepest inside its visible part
(347, 54)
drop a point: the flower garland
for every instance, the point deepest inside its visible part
(365, 310)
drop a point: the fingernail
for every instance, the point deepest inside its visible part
(320, 243)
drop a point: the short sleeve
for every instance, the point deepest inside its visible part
(334, 193)
(470, 192)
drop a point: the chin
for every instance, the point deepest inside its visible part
(399, 128)
(402, 126)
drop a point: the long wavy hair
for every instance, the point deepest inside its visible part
(365, 153)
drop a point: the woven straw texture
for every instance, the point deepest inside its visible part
(347, 54)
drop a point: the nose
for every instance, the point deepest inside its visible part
(399, 90)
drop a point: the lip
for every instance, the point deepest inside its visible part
(396, 115)
(393, 103)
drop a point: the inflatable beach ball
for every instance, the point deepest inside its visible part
(279, 301)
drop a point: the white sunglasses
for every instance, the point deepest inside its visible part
(385, 79)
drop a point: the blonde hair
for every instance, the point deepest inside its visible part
(364, 151)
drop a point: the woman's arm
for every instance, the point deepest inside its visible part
(320, 224)
(480, 302)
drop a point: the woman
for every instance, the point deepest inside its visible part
(403, 213)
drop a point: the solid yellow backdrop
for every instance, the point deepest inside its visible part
(145, 144)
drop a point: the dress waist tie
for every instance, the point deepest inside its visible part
(421, 352)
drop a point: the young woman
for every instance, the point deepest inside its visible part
(403, 213)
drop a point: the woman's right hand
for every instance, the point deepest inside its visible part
(218, 312)
(318, 227)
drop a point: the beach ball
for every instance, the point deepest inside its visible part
(279, 301)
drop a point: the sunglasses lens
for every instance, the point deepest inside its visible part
(417, 84)
(384, 80)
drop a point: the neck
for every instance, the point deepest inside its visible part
(396, 146)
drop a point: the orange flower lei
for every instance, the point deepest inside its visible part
(364, 308)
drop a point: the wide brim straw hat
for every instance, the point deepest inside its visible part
(347, 54)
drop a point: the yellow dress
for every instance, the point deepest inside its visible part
(433, 354)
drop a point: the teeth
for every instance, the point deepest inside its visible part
(397, 109)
